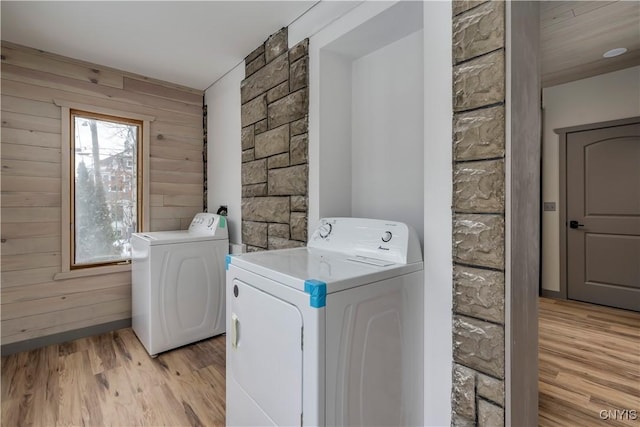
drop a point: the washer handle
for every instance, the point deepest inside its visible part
(235, 329)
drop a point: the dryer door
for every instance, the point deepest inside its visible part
(264, 362)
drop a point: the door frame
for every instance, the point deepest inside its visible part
(562, 205)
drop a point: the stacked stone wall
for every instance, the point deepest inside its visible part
(478, 220)
(275, 109)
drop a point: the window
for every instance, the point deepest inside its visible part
(105, 190)
(103, 214)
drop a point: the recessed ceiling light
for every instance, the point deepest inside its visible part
(615, 52)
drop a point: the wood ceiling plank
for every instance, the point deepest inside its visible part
(571, 48)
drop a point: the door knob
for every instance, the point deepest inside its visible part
(575, 224)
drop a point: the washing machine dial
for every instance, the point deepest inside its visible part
(324, 230)
(386, 236)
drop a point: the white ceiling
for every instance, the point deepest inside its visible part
(191, 43)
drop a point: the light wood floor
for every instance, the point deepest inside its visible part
(109, 380)
(589, 361)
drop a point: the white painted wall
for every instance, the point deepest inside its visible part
(387, 133)
(325, 32)
(601, 98)
(438, 191)
(224, 152)
(334, 156)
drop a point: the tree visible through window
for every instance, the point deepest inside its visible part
(105, 195)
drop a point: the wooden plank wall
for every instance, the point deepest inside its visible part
(33, 304)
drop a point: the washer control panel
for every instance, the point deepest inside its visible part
(365, 238)
(207, 223)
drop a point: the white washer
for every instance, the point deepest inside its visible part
(329, 334)
(178, 283)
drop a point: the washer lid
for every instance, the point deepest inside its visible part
(292, 267)
(177, 236)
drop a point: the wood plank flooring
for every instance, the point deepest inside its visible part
(589, 361)
(110, 380)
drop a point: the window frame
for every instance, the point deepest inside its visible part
(67, 270)
(112, 184)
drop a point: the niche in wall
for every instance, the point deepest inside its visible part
(371, 119)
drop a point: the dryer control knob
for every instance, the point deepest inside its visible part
(325, 230)
(386, 236)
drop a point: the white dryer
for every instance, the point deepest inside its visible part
(329, 334)
(178, 292)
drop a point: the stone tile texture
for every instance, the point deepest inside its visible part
(491, 389)
(478, 187)
(299, 126)
(478, 42)
(478, 239)
(490, 415)
(299, 203)
(274, 141)
(264, 79)
(261, 126)
(299, 226)
(278, 92)
(266, 209)
(299, 74)
(478, 31)
(278, 161)
(460, 6)
(464, 392)
(288, 181)
(292, 107)
(274, 116)
(278, 243)
(254, 65)
(299, 149)
(479, 82)
(479, 345)
(276, 44)
(253, 55)
(247, 137)
(299, 50)
(254, 110)
(478, 293)
(254, 190)
(279, 230)
(479, 134)
(458, 421)
(254, 233)
(248, 155)
(254, 172)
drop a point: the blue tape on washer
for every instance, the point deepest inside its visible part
(227, 261)
(317, 291)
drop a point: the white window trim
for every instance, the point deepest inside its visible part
(65, 230)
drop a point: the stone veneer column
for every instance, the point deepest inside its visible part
(479, 207)
(275, 110)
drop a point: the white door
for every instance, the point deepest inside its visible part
(264, 358)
